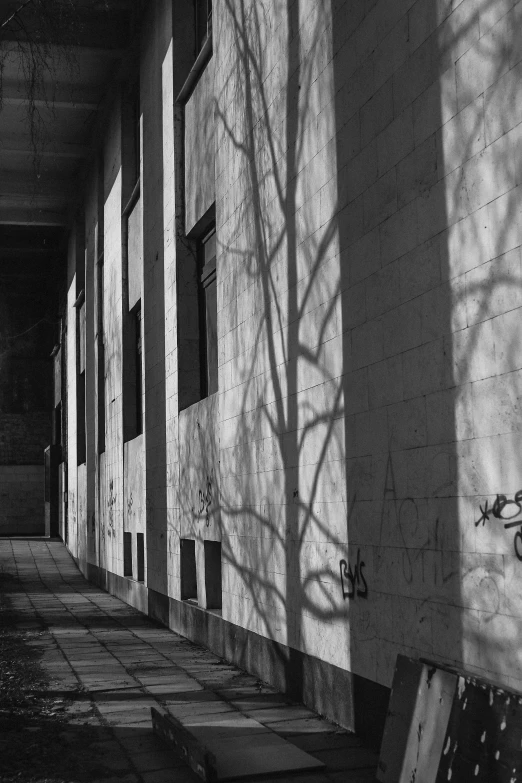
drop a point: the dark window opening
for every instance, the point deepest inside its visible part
(131, 147)
(189, 585)
(127, 554)
(140, 556)
(208, 313)
(133, 413)
(138, 362)
(101, 359)
(47, 475)
(135, 136)
(80, 427)
(57, 425)
(80, 380)
(203, 11)
(100, 233)
(213, 587)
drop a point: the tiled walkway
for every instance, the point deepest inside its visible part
(115, 663)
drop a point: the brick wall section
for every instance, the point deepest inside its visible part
(23, 437)
(22, 500)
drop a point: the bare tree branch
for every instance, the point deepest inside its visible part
(15, 13)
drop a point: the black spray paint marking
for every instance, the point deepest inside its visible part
(111, 503)
(497, 511)
(390, 493)
(205, 500)
(354, 578)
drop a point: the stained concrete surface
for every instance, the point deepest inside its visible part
(115, 664)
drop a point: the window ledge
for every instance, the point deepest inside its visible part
(134, 196)
(80, 299)
(195, 72)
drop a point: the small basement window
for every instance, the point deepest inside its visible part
(189, 585)
(127, 554)
(213, 586)
(140, 556)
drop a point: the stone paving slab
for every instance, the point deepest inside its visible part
(113, 663)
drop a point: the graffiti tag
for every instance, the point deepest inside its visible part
(353, 578)
(498, 511)
(111, 502)
(205, 501)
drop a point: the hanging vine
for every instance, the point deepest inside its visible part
(39, 37)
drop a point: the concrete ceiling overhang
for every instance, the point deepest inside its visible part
(46, 135)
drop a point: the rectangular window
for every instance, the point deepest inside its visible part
(57, 425)
(213, 587)
(135, 135)
(101, 358)
(189, 585)
(127, 554)
(100, 340)
(208, 313)
(140, 556)
(131, 146)
(80, 379)
(138, 325)
(81, 337)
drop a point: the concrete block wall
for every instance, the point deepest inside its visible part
(368, 211)
(85, 491)
(364, 436)
(283, 482)
(156, 89)
(176, 66)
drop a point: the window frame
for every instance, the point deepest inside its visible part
(207, 303)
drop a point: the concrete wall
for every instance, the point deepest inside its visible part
(367, 187)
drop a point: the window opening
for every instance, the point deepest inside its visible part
(139, 379)
(189, 585)
(80, 380)
(208, 313)
(101, 359)
(127, 554)
(57, 425)
(140, 556)
(213, 587)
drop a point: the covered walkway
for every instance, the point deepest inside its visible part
(111, 664)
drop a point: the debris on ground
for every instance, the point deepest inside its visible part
(38, 742)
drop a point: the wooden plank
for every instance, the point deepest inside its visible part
(416, 723)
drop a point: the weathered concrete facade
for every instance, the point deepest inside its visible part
(349, 484)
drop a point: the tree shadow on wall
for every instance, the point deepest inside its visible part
(431, 286)
(355, 314)
(481, 160)
(281, 451)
